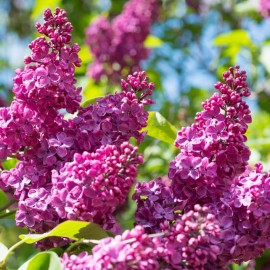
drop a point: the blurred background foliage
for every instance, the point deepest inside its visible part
(193, 43)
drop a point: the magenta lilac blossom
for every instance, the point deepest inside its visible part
(155, 204)
(213, 152)
(192, 241)
(94, 184)
(118, 46)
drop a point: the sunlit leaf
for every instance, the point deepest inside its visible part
(85, 54)
(43, 261)
(237, 37)
(92, 90)
(3, 198)
(9, 163)
(152, 42)
(243, 266)
(69, 229)
(89, 102)
(160, 128)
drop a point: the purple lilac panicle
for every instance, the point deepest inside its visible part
(90, 187)
(243, 216)
(250, 203)
(76, 262)
(116, 118)
(212, 149)
(118, 46)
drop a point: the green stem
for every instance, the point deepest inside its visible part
(7, 214)
(84, 241)
(7, 205)
(3, 262)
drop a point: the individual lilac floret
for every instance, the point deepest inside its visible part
(94, 184)
(192, 241)
(264, 8)
(118, 47)
(213, 152)
(155, 204)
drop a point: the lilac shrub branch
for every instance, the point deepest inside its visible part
(210, 211)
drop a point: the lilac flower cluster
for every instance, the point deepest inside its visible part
(118, 46)
(189, 244)
(192, 241)
(249, 201)
(156, 204)
(212, 149)
(76, 262)
(81, 168)
(90, 187)
(264, 8)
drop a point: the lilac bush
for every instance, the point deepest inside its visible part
(211, 210)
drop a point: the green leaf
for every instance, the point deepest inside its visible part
(86, 57)
(3, 251)
(69, 229)
(160, 128)
(92, 91)
(9, 163)
(85, 54)
(89, 102)
(41, 5)
(234, 38)
(242, 266)
(3, 198)
(152, 42)
(43, 261)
